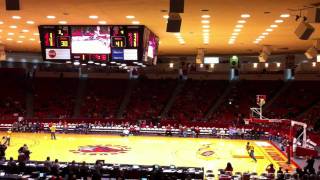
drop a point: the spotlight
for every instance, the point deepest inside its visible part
(311, 53)
(265, 53)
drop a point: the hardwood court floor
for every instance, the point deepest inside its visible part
(146, 150)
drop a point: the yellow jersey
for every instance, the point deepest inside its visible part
(53, 129)
(9, 132)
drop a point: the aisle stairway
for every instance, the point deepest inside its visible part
(82, 86)
(126, 99)
(278, 94)
(217, 103)
(171, 100)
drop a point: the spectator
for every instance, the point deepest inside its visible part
(22, 161)
(55, 168)
(12, 166)
(229, 168)
(47, 165)
(3, 149)
(84, 170)
(23, 148)
(280, 171)
(214, 132)
(299, 172)
(97, 170)
(270, 169)
(73, 170)
(168, 130)
(309, 167)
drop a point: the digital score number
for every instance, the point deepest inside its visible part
(49, 39)
(63, 42)
(118, 41)
(99, 57)
(133, 39)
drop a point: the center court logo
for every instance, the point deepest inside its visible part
(206, 152)
(101, 150)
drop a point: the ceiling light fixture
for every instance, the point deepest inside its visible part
(237, 30)
(206, 26)
(10, 33)
(62, 22)
(19, 41)
(239, 26)
(166, 16)
(130, 17)
(16, 17)
(135, 22)
(279, 21)
(242, 21)
(102, 22)
(93, 17)
(9, 39)
(1, 22)
(32, 39)
(269, 30)
(285, 15)
(235, 34)
(30, 22)
(265, 33)
(13, 27)
(205, 16)
(51, 17)
(245, 15)
(24, 30)
(273, 26)
(205, 21)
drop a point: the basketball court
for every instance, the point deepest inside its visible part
(146, 150)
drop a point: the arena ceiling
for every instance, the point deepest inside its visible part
(22, 34)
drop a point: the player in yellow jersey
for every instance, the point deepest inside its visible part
(6, 139)
(251, 153)
(53, 131)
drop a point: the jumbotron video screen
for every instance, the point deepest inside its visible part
(98, 43)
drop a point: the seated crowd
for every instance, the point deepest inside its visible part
(81, 170)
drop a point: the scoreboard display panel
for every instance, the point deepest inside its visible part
(99, 43)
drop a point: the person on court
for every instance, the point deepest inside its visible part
(53, 131)
(251, 153)
(6, 139)
(248, 147)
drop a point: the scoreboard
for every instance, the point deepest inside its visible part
(98, 43)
